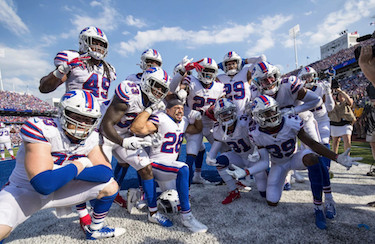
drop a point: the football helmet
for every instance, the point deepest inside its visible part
(168, 201)
(150, 54)
(266, 112)
(225, 112)
(266, 77)
(209, 71)
(232, 56)
(2, 125)
(155, 84)
(308, 75)
(86, 44)
(81, 109)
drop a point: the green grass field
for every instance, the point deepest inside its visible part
(359, 149)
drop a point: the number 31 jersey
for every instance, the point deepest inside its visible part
(281, 145)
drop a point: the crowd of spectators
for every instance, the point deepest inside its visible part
(13, 101)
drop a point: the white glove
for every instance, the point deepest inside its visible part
(288, 111)
(211, 161)
(345, 160)
(255, 156)
(155, 139)
(66, 67)
(134, 143)
(160, 106)
(327, 86)
(180, 67)
(182, 94)
(237, 173)
(85, 161)
(193, 116)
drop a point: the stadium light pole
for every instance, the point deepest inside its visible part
(293, 33)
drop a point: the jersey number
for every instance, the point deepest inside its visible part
(287, 149)
(200, 102)
(92, 85)
(240, 146)
(237, 87)
(174, 144)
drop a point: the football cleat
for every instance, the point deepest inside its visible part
(3, 159)
(104, 232)
(330, 209)
(287, 186)
(85, 221)
(320, 219)
(233, 195)
(198, 179)
(160, 219)
(193, 224)
(13, 157)
(242, 187)
(120, 201)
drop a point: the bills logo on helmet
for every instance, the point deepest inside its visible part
(68, 95)
(151, 70)
(84, 30)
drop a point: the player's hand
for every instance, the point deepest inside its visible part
(160, 106)
(193, 116)
(211, 161)
(194, 65)
(326, 86)
(255, 156)
(155, 139)
(85, 161)
(180, 67)
(134, 143)
(182, 94)
(288, 111)
(72, 64)
(345, 160)
(237, 173)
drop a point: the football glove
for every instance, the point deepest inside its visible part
(237, 173)
(345, 160)
(193, 116)
(134, 143)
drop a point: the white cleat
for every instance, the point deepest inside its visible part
(104, 232)
(193, 224)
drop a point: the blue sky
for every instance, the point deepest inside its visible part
(32, 32)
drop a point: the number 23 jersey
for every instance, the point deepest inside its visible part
(281, 145)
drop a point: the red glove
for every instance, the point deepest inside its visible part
(77, 62)
(210, 113)
(194, 65)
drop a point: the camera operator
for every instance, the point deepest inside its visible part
(367, 63)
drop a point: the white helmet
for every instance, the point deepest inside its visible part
(266, 112)
(209, 71)
(2, 125)
(168, 201)
(225, 112)
(232, 56)
(308, 75)
(150, 54)
(260, 75)
(79, 103)
(86, 38)
(155, 84)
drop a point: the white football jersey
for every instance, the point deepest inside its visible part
(4, 134)
(201, 98)
(237, 140)
(172, 136)
(281, 145)
(320, 113)
(136, 78)
(287, 94)
(49, 131)
(237, 89)
(130, 93)
(92, 78)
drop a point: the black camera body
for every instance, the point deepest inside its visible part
(357, 51)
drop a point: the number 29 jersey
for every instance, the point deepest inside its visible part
(281, 145)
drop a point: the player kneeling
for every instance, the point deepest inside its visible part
(60, 164)
(169, 173)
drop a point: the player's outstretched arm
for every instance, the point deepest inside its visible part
(50, 82)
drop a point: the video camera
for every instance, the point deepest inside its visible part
(357, 51)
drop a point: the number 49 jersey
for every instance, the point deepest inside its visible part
(238, 140)
(49, 131)
(281, 145)
(172, 134)
(92, 79)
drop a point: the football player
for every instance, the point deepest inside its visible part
(323, 89)
(168, 172)
(5, 141)
(129, 100)
(276, 137)
(60, 164)
(230, 131)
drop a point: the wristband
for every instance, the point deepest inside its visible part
(247, 172)
(148, 110)
(58, 74)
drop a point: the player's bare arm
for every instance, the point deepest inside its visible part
(142, 126)
(50, 82)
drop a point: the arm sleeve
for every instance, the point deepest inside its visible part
(49, 181)
(97, 173)
(216, 146)
(310, 101)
